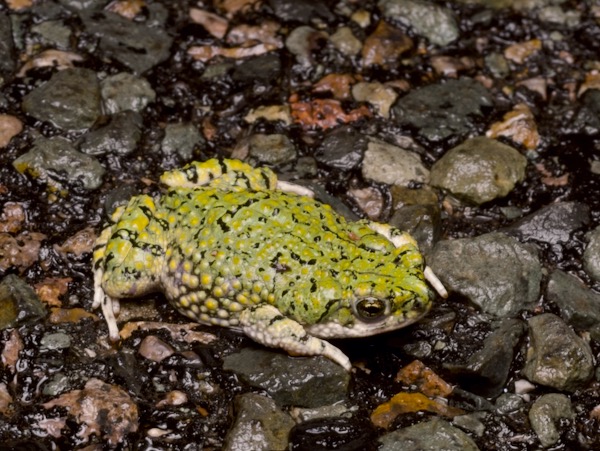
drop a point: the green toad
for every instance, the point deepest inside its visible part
(229, 245)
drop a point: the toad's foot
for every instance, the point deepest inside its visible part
(110, 307)
(266, 325)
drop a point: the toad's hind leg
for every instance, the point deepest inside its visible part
(266, 325)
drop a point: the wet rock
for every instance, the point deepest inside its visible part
(591, 256)
(303, 11)
(380, 96)
(443, 110)
(427, 19)
(386, 163)
(125, 91)
(18, 303)
(494, 271)
(133, 44)
(479, 170)
(69, 100)
(155, 349)
(181, 139)
(345, 41)
(370, 200)
(271, 149)
(54, 33)
(285, 379)
(552, 224)
(507, 403)
(342, 149)
(423, 222)
(427, 435)
(55, 341)
(56, 161)
(119, 137)
(10, 126)
(546, 413)
(486, 371)
(302, 41)
(260, 69)
(59, 383)
(7, 50)
(331, 433)
(497, 65)
(554, 14)
(259, 424)
(579, 306)
(587, 118)
(556, 356)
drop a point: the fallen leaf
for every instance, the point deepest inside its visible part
(12, 218)
(101, 409)
(424, 378)
(213, 23)
(385, 45)
(50, 58)
(20, 251)
(17, 5)
(179, 332)
(80, 243)
(325, 113)
(520, 51)
(592, 81)
(12, 349)
(49, 290)
(207, 52)
(5, 400)
(231, 7)
(266, 33)
(337, 84)
(451, 66)
(519, 125)
(70, 315)
(270, 113)
(126, 8)
(385, 414)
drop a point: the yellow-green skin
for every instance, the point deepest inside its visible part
(227, 247)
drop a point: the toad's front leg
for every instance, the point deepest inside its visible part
(266, 325)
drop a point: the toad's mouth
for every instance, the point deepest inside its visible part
(333, 329)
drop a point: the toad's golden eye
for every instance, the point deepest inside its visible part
(371, 310)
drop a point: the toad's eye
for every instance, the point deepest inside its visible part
(371, 310)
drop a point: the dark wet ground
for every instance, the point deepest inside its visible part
(542, 55)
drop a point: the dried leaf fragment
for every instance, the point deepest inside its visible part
(385, 414)
(50, 290)
(80, 243)
(213, 23)
(385, 46)
(337, 84)
(207, 52)
(428, 382)
(12, 218)
(101, 409)
(518, 125)
(520, 51)
(12, 348)
(127, 8)
(325, 113)
(20, 251)
(50, 58)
